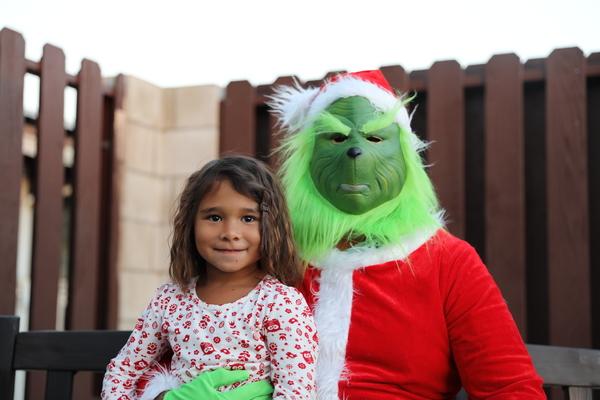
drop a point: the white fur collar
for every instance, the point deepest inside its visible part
(364, 256)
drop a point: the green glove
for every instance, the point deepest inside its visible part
(205, 386)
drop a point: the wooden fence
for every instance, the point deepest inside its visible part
(92, 297)
(516, 163)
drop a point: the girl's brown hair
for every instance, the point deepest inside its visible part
(251, 178)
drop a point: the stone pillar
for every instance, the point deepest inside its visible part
(161, 137)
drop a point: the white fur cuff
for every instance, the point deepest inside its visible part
(158, 382)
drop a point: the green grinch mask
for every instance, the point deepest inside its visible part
(357, 161)
(350, 165)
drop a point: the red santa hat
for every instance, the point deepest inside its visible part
(295, 106)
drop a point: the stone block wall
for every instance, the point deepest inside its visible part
(161, 137)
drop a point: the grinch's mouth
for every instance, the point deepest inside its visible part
(361, 187)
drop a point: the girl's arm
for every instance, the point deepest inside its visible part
(291, 338)
(147, 343)
(487, 347)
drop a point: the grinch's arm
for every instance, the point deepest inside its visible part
(488, 350)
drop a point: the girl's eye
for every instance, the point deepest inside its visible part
(374, 139)
(338, 138)
(214, 218)
(248, 219)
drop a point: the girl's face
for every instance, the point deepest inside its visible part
(227, 230)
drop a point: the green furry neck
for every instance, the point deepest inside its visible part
(319, 227)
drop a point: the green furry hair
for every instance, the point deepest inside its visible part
(319, 226)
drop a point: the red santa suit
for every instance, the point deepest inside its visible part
(415, 321)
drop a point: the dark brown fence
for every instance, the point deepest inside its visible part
(92, 293)
(516, 163)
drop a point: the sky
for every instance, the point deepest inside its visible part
(185, 43)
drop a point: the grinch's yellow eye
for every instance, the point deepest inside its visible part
(338, 138)
(374, 139)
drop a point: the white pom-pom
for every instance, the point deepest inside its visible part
(290, 104)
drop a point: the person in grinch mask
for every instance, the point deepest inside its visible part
(404, 310)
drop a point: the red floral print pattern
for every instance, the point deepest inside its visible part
(269, 332)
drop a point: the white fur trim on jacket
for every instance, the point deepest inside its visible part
(332, 317)
(334, 304)
(363, 256)
(296, 107)
(159, 381)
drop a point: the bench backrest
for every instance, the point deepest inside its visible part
(576, 370)
(64, 353)
(60, 353)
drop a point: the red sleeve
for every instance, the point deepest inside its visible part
(488, 350)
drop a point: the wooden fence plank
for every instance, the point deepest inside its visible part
(504, 181)
(474, 161)
(262, 132)
(9, 328)
(397, 77)
(111, 207)
(60, 385)
(85, 232)
(47, 242)
(83, 284)
(239, 120)
(417, 84)
(445, 128)
(568, 225)
(593, 125)
(48, 222)
(12, 71)
(536, 220)
(418, 80)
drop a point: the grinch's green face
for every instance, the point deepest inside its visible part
(357, 161)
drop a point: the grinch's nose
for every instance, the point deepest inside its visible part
(354, 152)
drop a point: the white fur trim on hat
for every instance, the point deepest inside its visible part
(296, 107)
(290, 105)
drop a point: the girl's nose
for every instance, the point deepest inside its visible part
(229, 232)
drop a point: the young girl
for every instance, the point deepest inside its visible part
(230, 304)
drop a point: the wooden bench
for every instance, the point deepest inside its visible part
(62, 354)
(576, 371)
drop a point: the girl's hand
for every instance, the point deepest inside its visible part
(205, 386)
